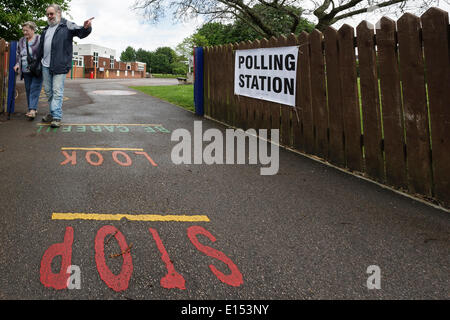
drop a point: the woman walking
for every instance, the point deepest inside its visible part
(33, 84)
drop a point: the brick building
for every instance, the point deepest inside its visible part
(93, 61)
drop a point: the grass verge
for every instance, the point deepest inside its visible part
(167, 76)
(181, 95)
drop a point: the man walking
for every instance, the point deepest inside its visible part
(56, 51)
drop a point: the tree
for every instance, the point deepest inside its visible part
(14, 13)
(326, 12)
(217, 33)
(281, 23)
(162, 60)
(128, 55)
(168, 52)
(186, 47)
(160, 63)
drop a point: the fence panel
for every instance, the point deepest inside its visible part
(350, 104)
(286, 132)
(209, 67)
(3, 74)
(415, 105)
(384, 113)
(264, 108)
(221, 74)
(230, 84)
(253, 104)
(226, 84)
(372, 136)
(305, 93)
(391, 101)
(319, 95)
(206, 72)
(436, 37)
(297, 135)
(274, 107)
(213, 86)
(336, 120)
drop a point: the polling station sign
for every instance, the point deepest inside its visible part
(267, 74)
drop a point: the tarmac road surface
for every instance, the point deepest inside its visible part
(97, 193)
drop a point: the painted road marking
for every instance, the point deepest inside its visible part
(102, 149)
(106, 124)
(131, 217)
(93, 152)
(119, 282)
(101, 128)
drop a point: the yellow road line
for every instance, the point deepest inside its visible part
(102, 149)
(131, 217)
(107, 124)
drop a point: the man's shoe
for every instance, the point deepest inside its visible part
(47, 118)
(31, 115)
(56, 123)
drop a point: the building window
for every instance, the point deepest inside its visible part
(111, 62)
(126, 73)
(132, 73)
(96, 59)
(118, 73)
(78, 61)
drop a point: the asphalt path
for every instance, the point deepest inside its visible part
(308, 232)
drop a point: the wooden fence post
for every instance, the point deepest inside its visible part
(415, 105)
(391, 101)
(435, 31)
(371, 114)
(336, 119)
(319, 95)
(350, 104)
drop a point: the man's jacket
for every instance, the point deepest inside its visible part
(62, 47)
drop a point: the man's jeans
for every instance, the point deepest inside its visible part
(54, 89)
(33, 88)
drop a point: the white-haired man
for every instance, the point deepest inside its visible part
(56, 51)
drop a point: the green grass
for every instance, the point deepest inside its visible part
(181, 95)
(167, 76)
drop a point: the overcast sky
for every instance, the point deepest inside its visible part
(117, 26)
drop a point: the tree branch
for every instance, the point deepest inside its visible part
(355, 12)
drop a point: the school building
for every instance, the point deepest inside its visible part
(97, 62)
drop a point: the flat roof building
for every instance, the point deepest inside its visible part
(94, 61)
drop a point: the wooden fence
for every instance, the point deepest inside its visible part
(383, 112)
(4, 60)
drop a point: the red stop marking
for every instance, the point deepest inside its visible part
(235, 278)
(57, 281)
(173, 279)
(116, 282)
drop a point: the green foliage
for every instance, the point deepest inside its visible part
(160, 63)
(13, 13)
(179, 68)
(128, 55)
(168, 52)
(162, 60)
(186, 47)
(216, 33)
(277, 20)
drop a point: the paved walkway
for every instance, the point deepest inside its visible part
(309, 232)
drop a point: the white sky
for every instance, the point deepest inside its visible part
(117, 26)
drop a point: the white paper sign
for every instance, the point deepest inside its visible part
(267, 74)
